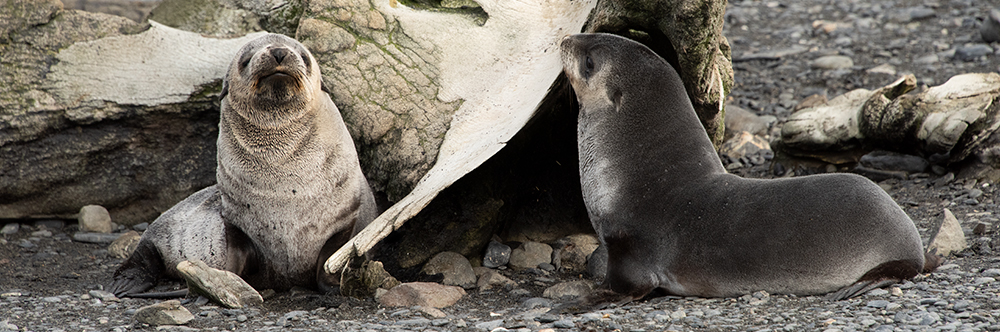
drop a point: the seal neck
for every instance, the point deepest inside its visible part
(652, 139)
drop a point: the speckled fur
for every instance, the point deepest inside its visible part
(289, 182)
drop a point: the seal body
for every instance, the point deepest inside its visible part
(290, 190)
(673, 219)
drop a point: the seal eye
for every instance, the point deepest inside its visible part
(589, 65)
(245, 61)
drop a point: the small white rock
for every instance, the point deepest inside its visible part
(831, 62)
(10, 228)
(95, 218)
(949, 238)
(983, 280)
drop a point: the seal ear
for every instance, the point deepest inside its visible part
(616, 99)
(322, 86)
(225, 87)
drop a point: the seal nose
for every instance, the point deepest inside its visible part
(279, 54)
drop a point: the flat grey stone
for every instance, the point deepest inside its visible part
(972, 52)
(101, 238)
(164, 313)
(223, 287)
(983, 280)
(878, 303)
(831, 62)
(10, 228)
(414, 322)
(489, 325)
(564, 324)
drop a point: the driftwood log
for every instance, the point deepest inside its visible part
(947, 123)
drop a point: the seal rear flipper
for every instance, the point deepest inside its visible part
(597, 300)
(931, 261)
(859, 288)
(139, 272)
(882, 275)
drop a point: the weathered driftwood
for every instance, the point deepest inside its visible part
(951, 121)
(514, 54)
(689, 35)
(99, 109)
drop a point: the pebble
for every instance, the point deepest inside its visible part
(972, 52)
(573, 289)
(497, 255)
(456, 269)
(949, 238)
(422, 294)
(919, 13)
(563, 324)
(597, 263)
(95, 218)
(102, 238)
(983, 280)
(490, 325)
(537, 302)
(878, 292)
(103, 295)
(10, 228)
(878, 303)
(831, 62)
(140, 227)
(530, 254)
(164, 313)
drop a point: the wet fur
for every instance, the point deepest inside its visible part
(289, 184)
(673, 219)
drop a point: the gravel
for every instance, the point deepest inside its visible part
(48, 282)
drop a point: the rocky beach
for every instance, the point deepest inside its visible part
(784, 54)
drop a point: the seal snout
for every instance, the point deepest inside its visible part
(279, 54)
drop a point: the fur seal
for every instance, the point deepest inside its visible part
(290, 189)
(672, 219)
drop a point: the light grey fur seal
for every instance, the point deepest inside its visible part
(672, 219)
(290, 190)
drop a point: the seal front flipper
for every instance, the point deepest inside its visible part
(139, 272)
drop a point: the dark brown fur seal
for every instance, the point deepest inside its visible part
(673, 219)
(290, 190)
